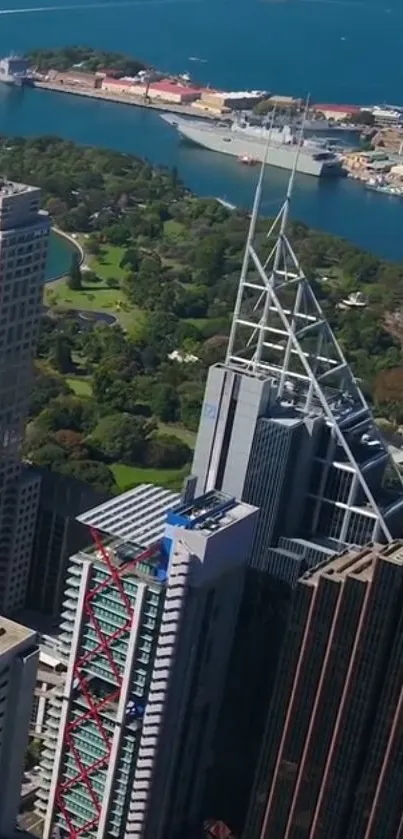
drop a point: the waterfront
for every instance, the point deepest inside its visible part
(241, 28)
(59, 257)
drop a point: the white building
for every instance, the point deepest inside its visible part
(18, 662)
(24, 234)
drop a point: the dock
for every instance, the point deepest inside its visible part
(121, 99)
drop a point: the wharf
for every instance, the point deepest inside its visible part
(121, 99)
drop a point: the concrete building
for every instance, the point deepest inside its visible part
(50, 675)
(329, 764)
(148, 622)
(24, 234)
(338, 113)
(18, 662)
(235, 100)
(58, 535)
(75, 78)
(123, 86)
(170, 91)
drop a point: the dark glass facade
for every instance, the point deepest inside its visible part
(332, 760)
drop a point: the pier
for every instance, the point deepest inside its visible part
(121, 99)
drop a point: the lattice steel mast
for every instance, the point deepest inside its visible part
(280, 330)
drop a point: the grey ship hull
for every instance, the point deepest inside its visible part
(240, 145)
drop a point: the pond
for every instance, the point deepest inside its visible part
(59, 256)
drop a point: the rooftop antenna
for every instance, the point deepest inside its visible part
(251, 234)
(279, 331)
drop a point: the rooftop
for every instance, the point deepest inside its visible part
(343, 109)
(132, 559)
(167, 86)
(118, 82)
(138, 515)
(11, 188)
(357, 563)
(209, 512)
(12, 634)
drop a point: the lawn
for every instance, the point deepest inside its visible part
(80, 386)
(127, 477)
(107, 263)
(95, 297)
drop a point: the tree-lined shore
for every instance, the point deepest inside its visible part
(112, 404)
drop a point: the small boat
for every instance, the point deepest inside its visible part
(200, 60)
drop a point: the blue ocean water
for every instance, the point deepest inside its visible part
(336, 50)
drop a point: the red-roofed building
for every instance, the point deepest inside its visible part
(338, 112)
(170, 91)
(125, 86)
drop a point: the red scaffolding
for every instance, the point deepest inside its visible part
(84, 772)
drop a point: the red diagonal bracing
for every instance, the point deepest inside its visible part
(103, 647)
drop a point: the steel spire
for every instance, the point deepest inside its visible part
(280, 331)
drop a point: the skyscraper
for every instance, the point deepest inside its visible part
(18, 662)
(148, 621)
(285, 427)
(58, 535)
(331, 762)
(24, 233)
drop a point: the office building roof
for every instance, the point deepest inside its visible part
(357, 563)
(138, 515)
(8, 188)
(12, 634)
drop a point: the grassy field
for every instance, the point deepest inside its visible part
(93, 297)
(107, 263)
(81, 387)
(127, 477)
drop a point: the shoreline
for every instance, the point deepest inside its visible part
(133, 101)
(77, 246)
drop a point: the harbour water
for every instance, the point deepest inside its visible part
(348, 52)
(59, 257)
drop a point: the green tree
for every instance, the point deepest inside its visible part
(45, 388)
(130, 259)
(97, 475)
(61, 354)
(165, 402)
(209, 258)
(121, 437)
(74, 278)
(68, 412)
(50, 455)
(191, 398)
(167, 452)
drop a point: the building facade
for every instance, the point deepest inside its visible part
(58, 535)
(18, 662)
(50, 676)
(147, 631)
(331, 761)
(285, 427)
(24, 234)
